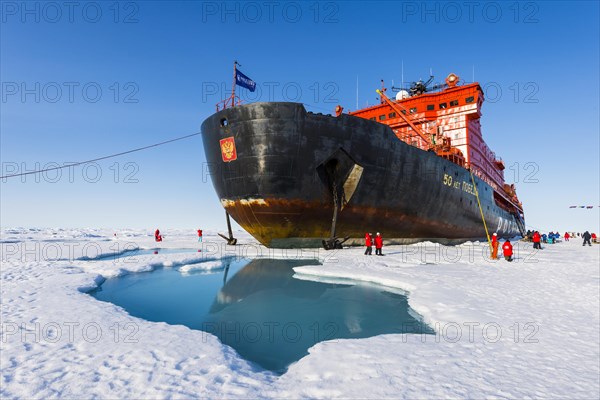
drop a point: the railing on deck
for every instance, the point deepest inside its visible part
(229, 102)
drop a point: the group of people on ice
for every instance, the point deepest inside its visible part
(377, 241)
(507, 248)
(536, 237)
(552, 238)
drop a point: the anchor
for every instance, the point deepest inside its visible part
(342, 175)
(230, 240)
(334, 242)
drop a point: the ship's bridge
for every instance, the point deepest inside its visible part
(453, 113)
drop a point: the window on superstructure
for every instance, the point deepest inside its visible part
(470, 99)
(430, 107)
(443, 105)
(373, 119)
(392, 115)
(453, 103)
(413, 110)
(382, 117)
(403, 112)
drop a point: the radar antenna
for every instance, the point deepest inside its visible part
(419, 87)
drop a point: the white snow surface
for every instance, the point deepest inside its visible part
(526, 329)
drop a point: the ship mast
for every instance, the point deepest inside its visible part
(230, 101)
(235, 63)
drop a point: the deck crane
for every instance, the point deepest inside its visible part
(443, 149)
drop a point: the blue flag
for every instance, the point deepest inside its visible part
(243, 81)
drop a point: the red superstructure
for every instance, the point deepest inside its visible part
(446, 122)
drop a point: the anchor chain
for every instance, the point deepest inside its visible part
(333, 242)
(335, 194)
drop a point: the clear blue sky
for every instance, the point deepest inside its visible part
(158, 65)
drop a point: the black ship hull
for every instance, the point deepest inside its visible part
(289, 167)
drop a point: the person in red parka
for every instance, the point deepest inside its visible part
(507, 249)
(157, 236)
(567, 236)
(536, 240)
(594, 237)
(369, 244)
(495, 246)
(199, 235)
(378, 244)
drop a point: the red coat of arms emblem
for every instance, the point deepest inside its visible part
(228, 152)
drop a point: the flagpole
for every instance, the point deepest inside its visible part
(233, 86)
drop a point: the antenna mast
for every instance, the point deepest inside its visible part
(402, 83)
(357, 92)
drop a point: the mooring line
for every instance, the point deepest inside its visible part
(101, 158)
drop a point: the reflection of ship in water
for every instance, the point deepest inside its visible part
(272, 318)
(260, 275)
